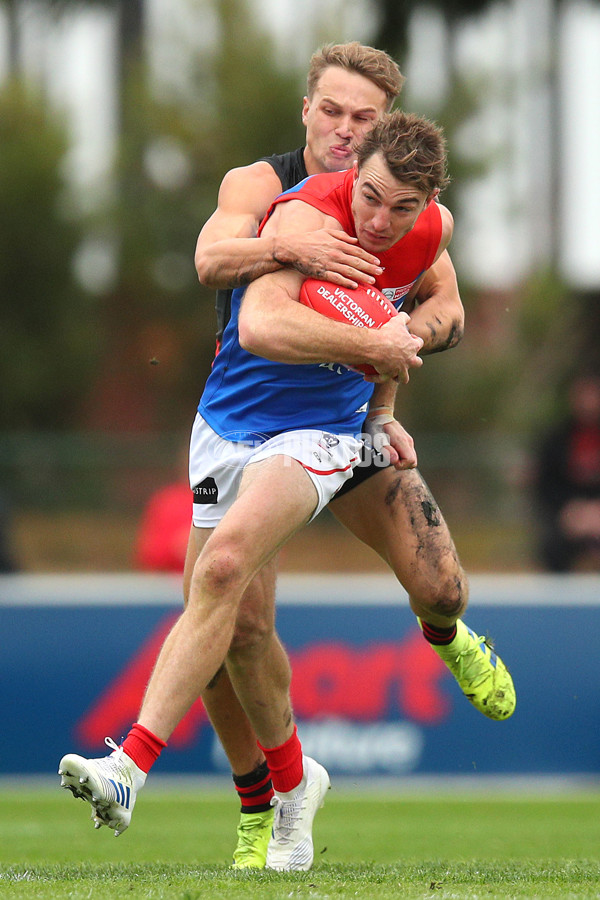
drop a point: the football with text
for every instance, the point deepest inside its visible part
(363, 307)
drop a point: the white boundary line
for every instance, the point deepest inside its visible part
(506, 787)
(132, 589)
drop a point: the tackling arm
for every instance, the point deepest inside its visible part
(227, 254)
(439, 316)
(272, 327)
(436, 311)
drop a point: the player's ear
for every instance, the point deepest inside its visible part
(433, 196)
(305, 106)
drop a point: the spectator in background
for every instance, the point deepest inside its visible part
(568, 483)
(162, 538)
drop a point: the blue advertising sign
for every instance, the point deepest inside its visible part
(369, 694)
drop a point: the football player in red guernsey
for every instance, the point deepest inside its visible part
(277, 436)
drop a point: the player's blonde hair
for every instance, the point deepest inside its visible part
(413, 148)
(376, 65)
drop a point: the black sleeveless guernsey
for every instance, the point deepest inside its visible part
(290, 169)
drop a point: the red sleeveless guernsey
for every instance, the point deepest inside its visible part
(405, 261)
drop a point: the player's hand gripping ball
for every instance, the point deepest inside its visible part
(364, 306)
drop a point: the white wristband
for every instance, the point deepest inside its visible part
(382, 419)
(375, 436)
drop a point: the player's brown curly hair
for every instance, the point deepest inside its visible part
(376, 65)
(414, 149)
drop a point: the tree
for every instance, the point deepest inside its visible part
(130, 20)
(157, 340)
(393, 20)
(46, 338)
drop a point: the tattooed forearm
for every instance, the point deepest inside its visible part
(448, 338)
(250, 273)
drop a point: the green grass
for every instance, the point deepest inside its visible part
(179, 846)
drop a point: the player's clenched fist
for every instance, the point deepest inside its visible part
(397, 351)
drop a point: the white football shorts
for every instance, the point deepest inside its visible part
(216, 465)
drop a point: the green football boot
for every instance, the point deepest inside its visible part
(481, 674)
(254, 833)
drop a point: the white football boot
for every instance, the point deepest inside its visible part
(291, 845)
(109, 784)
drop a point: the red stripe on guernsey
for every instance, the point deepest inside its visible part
(327, 471)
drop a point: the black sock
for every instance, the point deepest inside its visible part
(436, 635)
(255, 789)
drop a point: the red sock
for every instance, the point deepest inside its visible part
(285, 763)
(255, 789)
(143, 747)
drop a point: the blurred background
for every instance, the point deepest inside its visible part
(118, 121)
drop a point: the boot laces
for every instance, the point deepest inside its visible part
(114, 762)
(287, 817)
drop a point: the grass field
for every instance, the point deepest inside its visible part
(367, 846)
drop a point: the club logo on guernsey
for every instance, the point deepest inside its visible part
(207, 491)
(397, 293)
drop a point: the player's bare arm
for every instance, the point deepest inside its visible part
(383, 398)
(439, 316)
(386, 431)
(272, 327)
(228, 256)
(436, 311)
(330, 254)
